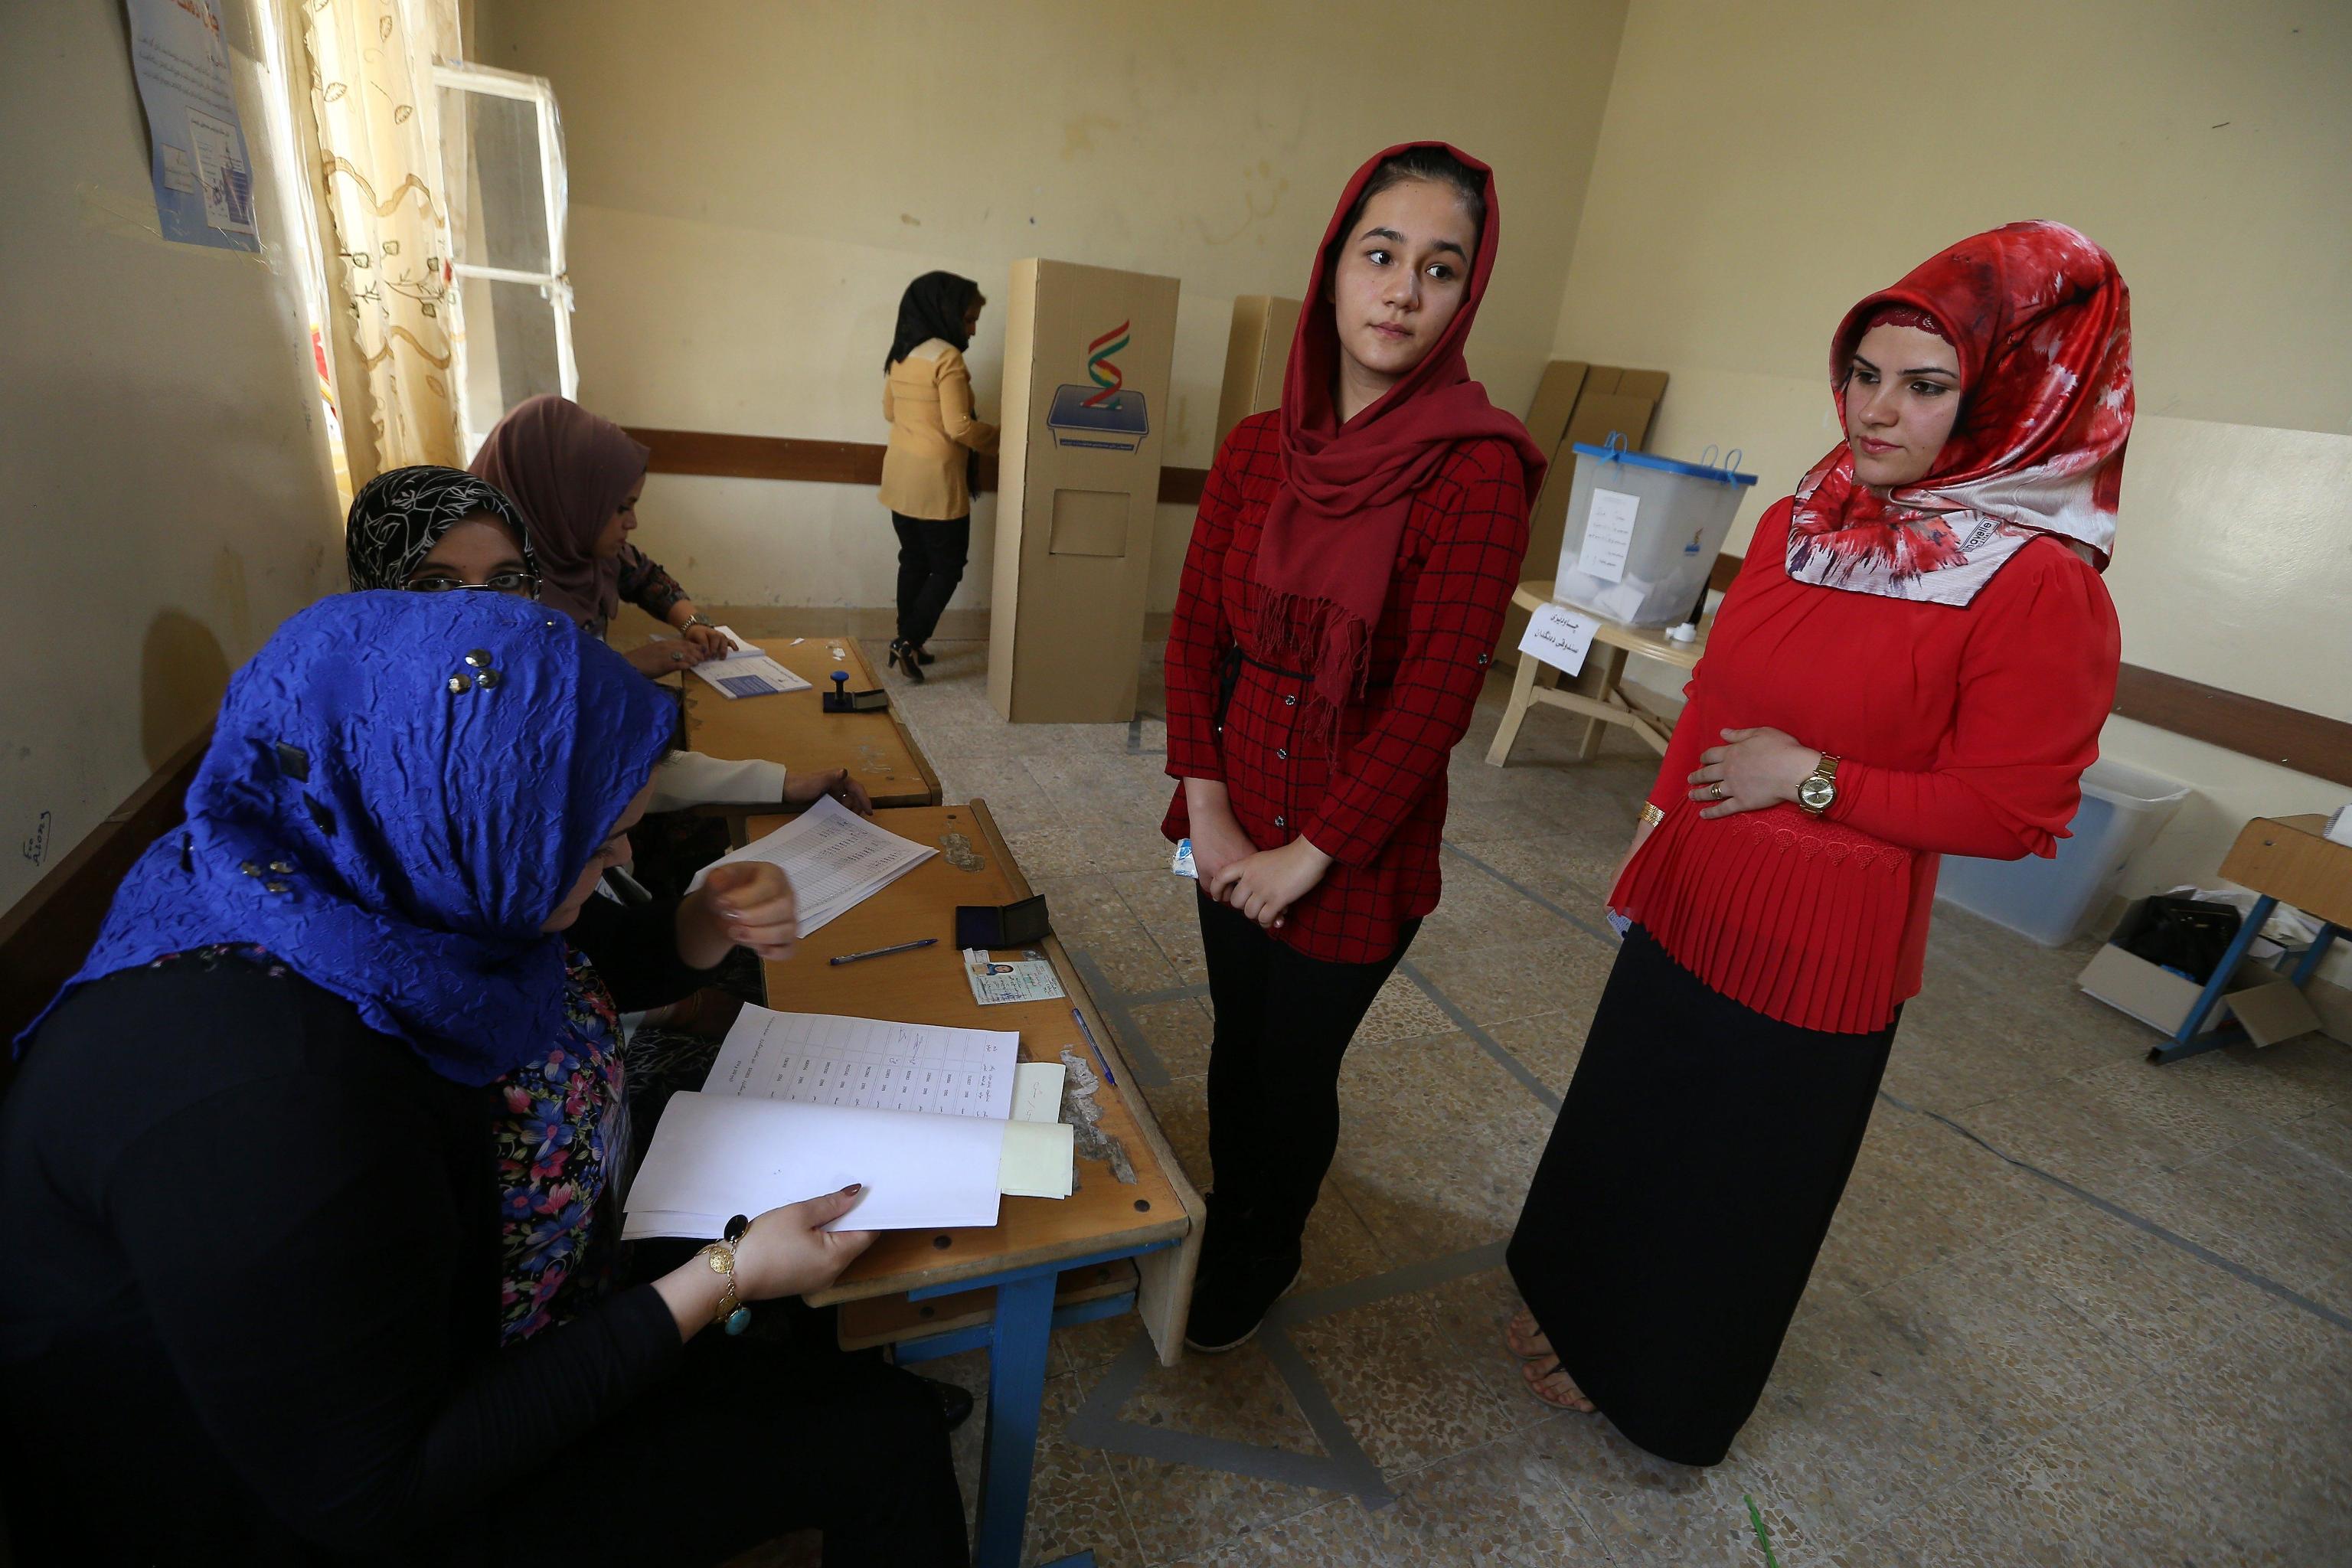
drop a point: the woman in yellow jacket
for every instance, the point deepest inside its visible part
(935, 444)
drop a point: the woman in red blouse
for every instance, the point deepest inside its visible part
(1914, 661)
(1341, 604)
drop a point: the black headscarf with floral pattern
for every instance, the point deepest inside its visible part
(398, 517)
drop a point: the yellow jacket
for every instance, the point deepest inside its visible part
(927, 398)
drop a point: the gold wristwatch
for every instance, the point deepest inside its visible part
(1818, 792)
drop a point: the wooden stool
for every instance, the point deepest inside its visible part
(1597, 692)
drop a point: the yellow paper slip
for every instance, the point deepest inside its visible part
(1038, 1160)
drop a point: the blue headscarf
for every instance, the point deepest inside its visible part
(400, 788)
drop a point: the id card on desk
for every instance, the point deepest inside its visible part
(995, 981)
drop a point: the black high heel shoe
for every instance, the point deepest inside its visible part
(925, 655)
(904, 660)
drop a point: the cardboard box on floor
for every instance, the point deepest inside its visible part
(1575, 403)
(2259, 997)
(1086, 354)
(1257, 351)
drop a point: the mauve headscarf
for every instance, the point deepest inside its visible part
(568, 471)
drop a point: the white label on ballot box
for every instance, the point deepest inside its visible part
(1608, 534)
(1559, 638)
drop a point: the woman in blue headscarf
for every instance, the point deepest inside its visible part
(306, 1179)
(441, 531)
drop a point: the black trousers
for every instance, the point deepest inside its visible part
(1282, 1023)
(1689, 1181)
(932, 554)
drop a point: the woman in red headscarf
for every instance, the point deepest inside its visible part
(1914, 661)
(1339, 606)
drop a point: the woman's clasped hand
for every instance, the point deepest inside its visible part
(1266, 882)
(1751, 770)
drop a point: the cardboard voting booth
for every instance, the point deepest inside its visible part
(1257, 351)
(1086, 353)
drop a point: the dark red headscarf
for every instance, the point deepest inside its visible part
(1332, 530)
(568, 471)
(2042, 322)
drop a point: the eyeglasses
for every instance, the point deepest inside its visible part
(521, 584)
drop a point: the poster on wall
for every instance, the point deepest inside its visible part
(204, 177)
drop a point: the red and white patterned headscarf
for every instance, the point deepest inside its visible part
(2042, 322)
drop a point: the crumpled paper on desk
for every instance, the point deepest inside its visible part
(1085, 1117)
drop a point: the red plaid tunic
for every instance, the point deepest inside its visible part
(1378, 809)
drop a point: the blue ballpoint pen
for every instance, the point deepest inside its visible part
(880, 952)
(1089, 1034)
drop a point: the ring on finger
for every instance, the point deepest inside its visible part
(1718, 789)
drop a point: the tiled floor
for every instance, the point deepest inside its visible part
(2146, 1360)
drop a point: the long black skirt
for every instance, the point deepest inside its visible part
(1689, 1181)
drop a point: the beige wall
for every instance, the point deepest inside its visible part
(754, 184)
(1761, 167)
(169, 500)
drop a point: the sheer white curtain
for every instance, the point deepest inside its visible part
(390, 263)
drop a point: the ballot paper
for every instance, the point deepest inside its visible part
(795, 1106)
(870, 1063)
(1623, 600)
(999, 980)
(746, 670)
(834, 859)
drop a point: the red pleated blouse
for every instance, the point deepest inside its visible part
(1962, 730)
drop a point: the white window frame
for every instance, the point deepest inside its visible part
(555, 284)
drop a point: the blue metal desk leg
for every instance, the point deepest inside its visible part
(2187, 1040)
(2309, 965)
(1016, 1397)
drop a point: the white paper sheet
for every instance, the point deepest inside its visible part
(835, 858)
(1559, 638)
(815, 1058)
(719, 1154)
(1608, 534)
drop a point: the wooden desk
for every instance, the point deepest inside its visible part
(1156, 1220)
(2285, 859)
(796, 729)
(1597, 693)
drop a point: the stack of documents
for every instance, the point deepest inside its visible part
(936, 1122)
(835, 860)
(747, 671)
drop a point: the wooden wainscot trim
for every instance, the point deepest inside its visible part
(717, 455)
